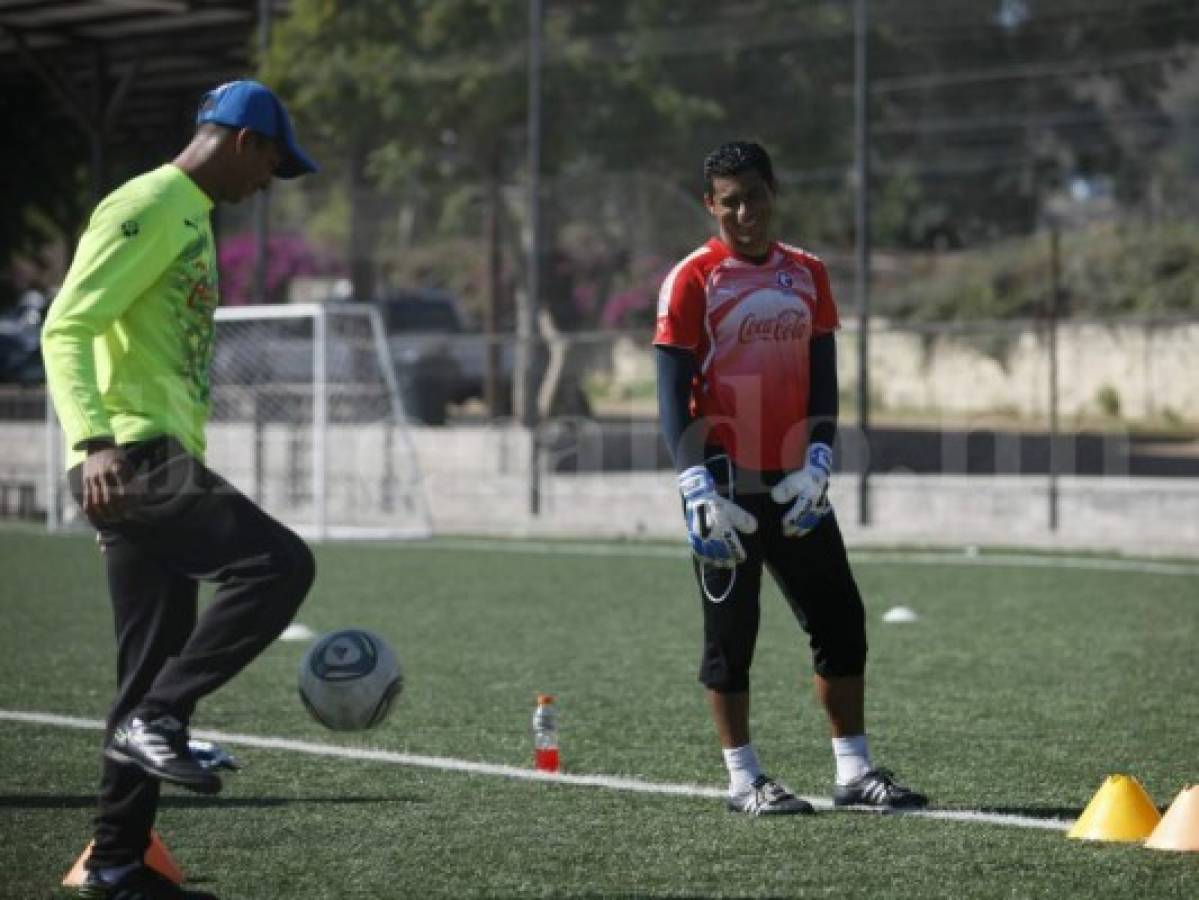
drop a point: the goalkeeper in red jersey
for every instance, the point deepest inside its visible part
(747, 396)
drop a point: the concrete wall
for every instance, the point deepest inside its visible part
(1153, 370)
(474, 480)
(1144, 515)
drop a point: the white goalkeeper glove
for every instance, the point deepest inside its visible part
(808, 487)
(713, 521)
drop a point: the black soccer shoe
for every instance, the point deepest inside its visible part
(141, 883)
(877, 789)
(159, 748)
(767, 797)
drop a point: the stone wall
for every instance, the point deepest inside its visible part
(1149, 371)
(474, 481)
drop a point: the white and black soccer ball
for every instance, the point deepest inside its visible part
(349, 679)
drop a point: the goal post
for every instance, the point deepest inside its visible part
(307, 418)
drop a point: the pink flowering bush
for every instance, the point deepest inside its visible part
(637, 304)
(288, 256)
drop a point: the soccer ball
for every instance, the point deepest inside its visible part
(349, 678)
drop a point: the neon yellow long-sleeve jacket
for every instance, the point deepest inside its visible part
(128, 340)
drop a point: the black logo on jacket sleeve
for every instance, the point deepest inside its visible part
(130, 228)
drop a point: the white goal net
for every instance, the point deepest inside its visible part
(307, 419)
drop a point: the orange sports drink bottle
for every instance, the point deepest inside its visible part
(545, 735)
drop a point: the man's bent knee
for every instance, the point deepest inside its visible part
(304, 569)
(842, 660)
(717, 675)
(294, 572)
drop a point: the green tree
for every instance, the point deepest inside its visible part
(43, 180)
(980, 109)
(429, 99)
(1004, 101)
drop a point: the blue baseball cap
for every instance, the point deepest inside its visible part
(248, 104)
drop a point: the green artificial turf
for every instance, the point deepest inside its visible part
(1017, 691)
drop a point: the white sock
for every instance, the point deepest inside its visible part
(742, 763)
(113, 874)
(853, 757)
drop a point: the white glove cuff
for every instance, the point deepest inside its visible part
(695, 481)
(820, 456)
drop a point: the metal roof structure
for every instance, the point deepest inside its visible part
(129, 73)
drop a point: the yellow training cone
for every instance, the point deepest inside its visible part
(1119, 811)
(1179, 827)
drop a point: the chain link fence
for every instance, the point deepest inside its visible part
(308, 418)
(958, 443)
(1030, 299)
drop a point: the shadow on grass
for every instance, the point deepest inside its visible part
(185, 801)
(1049, 812)
(1032, 812)
(654, 895)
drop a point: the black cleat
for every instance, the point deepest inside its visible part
(767, 797)
(160, 749)
(141, 883)
(877, 789)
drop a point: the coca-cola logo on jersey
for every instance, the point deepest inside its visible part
(786, 325)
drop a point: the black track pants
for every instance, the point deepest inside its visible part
(186, 525)
(812, 572)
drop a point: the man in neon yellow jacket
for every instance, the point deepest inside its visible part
(127, 346)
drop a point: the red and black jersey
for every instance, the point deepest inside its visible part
(749, 325)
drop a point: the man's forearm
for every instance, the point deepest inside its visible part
(823, 399)
(683, 434)
(71, 377)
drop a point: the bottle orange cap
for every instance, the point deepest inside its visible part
(543, 699)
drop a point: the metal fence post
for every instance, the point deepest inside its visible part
(862, 242)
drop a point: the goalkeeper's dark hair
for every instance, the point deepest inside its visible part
(734, 158)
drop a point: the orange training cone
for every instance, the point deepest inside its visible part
(158, 858)
(1179, 827)
(1119, 811)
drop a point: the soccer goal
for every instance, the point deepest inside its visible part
(307, 419)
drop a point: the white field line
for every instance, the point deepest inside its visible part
(863, 557)
(449, 764)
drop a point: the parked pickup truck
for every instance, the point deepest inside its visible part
(437, 359)
(437, 362)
